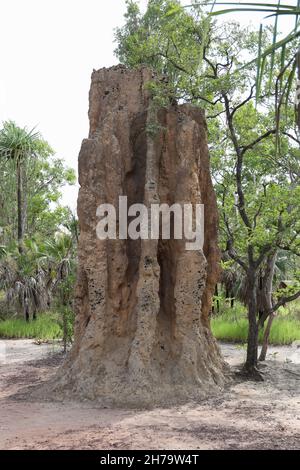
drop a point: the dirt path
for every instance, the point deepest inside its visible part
(245, 416)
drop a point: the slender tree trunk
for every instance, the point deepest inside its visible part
(35, 305)
(268, 301)
(20, 204)
(265, 344)
(25, 199)
(217, 302)
(226, 294)
(252, 346)
(298, 89)
(26, 309)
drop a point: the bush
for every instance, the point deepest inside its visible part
(66, 323)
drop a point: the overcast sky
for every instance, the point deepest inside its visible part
(48, 51)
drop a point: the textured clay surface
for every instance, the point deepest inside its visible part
(142, 332)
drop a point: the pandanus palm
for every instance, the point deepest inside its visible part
(19, 144)
(59, 262)
(23, 279)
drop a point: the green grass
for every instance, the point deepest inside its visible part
(232, 326)
(45, 327)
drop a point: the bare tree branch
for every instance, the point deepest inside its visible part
(244, 148)
(240, 105)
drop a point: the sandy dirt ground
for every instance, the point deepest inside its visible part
(246, 415)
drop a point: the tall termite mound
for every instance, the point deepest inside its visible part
(142, 332)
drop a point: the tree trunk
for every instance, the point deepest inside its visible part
(142, 333)
(226, 293)
(250, 367)
(268, 301)
(25, 199)
(20, 227)
(266, 336)
(36, 304)
(298, 90)
(26, 309)
(217, 301)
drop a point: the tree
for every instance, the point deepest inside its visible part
(23, 279)
(41, 274)
(60, 257)
(206, 64)
(19, 145)
(265, 53)
(30, 221)
(42, 182)
(268, 212)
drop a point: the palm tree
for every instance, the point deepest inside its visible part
(19, 144)
(41, 272)
(23, 279)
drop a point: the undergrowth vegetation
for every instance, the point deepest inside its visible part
(231, 325)
(47, 326)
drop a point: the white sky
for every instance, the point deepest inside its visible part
(48, 51)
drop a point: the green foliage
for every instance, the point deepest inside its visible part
(283, 331)
(254, 158)
(43, 178)
(153, 38)
(205, 63)
(18, 143)
(232, 325)
(287, 48)
(32, 274)
(66, 323)
(176, 43)
(45, 327)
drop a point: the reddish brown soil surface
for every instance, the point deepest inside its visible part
(246, 415)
